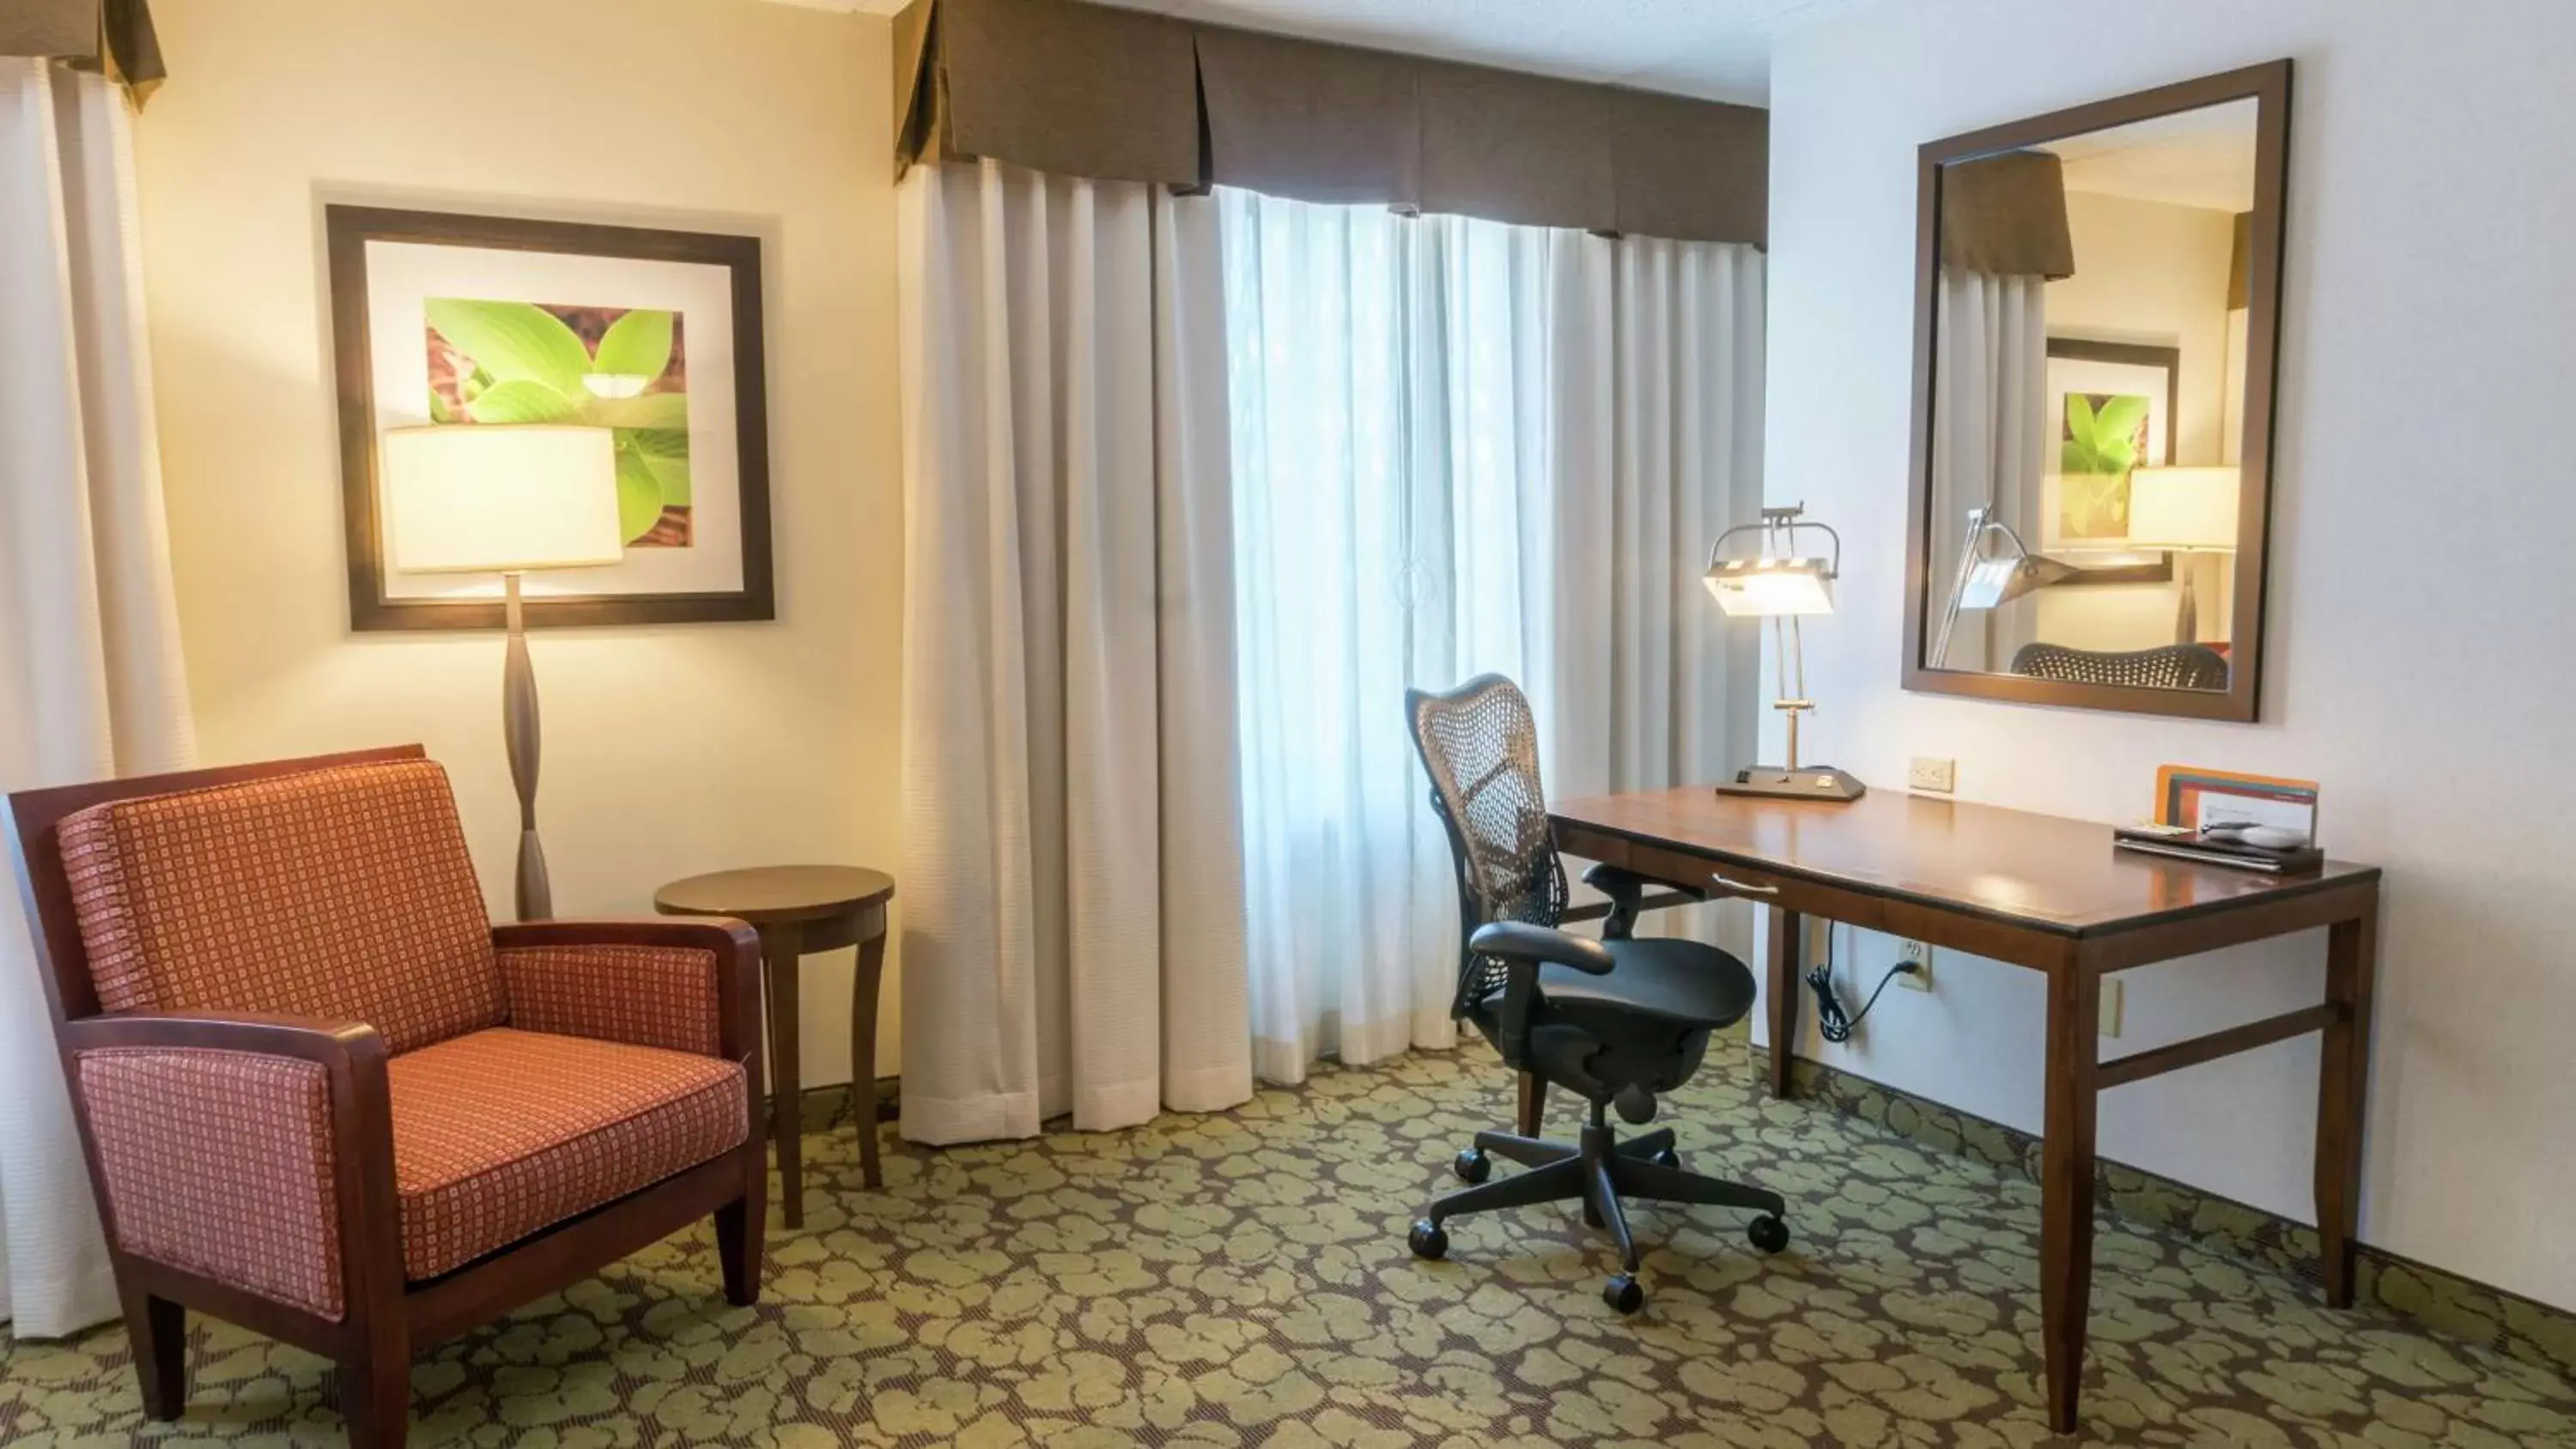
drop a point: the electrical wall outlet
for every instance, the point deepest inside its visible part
(1920, 978)
(2111, 1004)
(1928, 772)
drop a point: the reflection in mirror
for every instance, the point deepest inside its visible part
(2088, 410)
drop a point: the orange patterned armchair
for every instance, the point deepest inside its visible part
(323, 1097)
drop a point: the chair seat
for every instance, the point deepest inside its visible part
(501, 1133)
(1685, 983)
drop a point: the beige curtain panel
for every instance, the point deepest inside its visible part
(2005, 215)
(111, 36)
(2240, 254)
(1088, 90)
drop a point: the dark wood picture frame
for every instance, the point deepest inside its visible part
(2268, 86)
(347, 230)
(2134, 354)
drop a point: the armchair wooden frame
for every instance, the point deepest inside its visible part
(385, 1318)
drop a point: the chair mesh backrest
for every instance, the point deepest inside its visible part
(1479, 744)
(2174, 666)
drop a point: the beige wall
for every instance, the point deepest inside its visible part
(2152, 272)
(668, 750)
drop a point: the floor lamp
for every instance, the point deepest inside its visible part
(505, 500)
(2186, 511)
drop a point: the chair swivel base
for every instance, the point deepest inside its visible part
(1598, 1171)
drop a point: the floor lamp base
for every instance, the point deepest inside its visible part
(1807, 782)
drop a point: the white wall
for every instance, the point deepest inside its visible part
(2429, 298)
(668, 750)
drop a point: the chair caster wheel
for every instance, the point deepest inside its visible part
(1428, 1241)
(1768, 1233)
(1667, 1158)
(1623, 1293)
(1473, 1166)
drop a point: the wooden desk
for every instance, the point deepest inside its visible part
(2046, 893)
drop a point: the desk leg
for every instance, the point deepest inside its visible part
(1780, 994)
(780, 946)
(863, 1055)
(2352, 951)
(2066, 1186)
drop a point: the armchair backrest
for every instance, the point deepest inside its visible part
(336, 888)
(1479, 745)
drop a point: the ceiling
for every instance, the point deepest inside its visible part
(2201, 158)
(1717, 49)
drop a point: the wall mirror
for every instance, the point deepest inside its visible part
(2097, 298)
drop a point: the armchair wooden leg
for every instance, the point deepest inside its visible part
(739, 1227)
(158, 1329)
(375, 1392)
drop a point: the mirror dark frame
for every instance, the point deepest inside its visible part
(2268, 86)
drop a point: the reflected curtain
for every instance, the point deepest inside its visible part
(1991, 436)
(91, 683)
(1462, 446)
(1073, 886)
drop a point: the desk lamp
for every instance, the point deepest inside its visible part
(487, 498)
(1989, 580)
(2183, 510)
(1781, 585)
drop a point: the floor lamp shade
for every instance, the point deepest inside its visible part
(2182, 508)
(481, 498)
(500, 499)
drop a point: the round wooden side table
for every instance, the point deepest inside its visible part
(800, 909)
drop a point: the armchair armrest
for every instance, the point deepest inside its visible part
(252, 1150)
(689, 985)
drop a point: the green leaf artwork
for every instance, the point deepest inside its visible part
(619, 368)
(2105, 437)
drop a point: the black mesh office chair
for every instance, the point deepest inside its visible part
(2173, 666)
(1615, 1020)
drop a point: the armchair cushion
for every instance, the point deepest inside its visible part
(655, 996)
(500, 1133)
(221, 1163)
(343, 894)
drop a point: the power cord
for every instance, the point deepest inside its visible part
(1831, 1022)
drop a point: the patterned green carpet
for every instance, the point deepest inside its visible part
(1242, 1280)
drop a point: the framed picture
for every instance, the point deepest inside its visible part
(2111, 409)
(467, 321)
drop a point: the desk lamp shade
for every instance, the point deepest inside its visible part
(500, 499)
(1767, 587)
(2182, 509)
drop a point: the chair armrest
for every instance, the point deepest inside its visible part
(1518, 941)
(202, 1122)
(1627, 893)
(682, 984)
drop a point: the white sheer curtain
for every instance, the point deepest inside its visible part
(1461, 446)
(90, 677)
(1073, 888)
(1989, 397)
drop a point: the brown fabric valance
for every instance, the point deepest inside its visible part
(1088, 90)
(2006, 214)
(1079, 90)
(114, 36)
